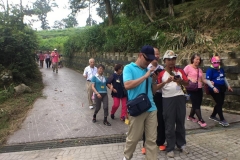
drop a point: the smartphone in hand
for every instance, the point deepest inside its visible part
(176, 76)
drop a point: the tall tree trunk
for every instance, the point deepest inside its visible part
(109, 12)
(152, 8)
(21, 10)
(170, 8)
(149, 17)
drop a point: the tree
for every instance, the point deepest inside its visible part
(70, 21)
(58, 25)
(41, 8)
(170, 8)
(109, 6)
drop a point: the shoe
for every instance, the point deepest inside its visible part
(143, 150)
(224, 123)
(214, 119)
(170, 154)
(124, 158)
(106, 123)
(94, 120)
(162, 148)
(122, 119)
(202, 123)
(184, 149)
(90, 107)
(192, 119)
(112, 116)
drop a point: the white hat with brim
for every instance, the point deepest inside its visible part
(169, 54)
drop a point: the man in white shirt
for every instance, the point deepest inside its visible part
(88, 73)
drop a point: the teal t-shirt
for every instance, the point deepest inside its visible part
(100, 83)
(132, 72)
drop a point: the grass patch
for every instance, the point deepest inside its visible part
(14, 110)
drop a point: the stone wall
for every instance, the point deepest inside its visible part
(230, 62)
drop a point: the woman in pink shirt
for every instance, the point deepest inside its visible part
(195, 74)
(41, 58)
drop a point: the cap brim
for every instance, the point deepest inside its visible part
(151, 57)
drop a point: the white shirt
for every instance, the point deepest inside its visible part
(89, 72)
(158, 67)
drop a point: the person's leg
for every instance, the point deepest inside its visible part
(161, 126)
(198, 104)
(151, 134)
(169, 115)
(180, 121)
(116, 103)
(89, 93)
(98, 105)
(216, 97)
(135, 132)
(124, 107)
(56, 67)
(220, 105)
(105, 106)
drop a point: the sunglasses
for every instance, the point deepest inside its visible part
(148, 60)
(215, 62)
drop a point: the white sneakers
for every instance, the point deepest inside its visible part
(124, 158)
(90, 107)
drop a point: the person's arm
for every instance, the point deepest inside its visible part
(227, 84)
(134, 83)
(95, 91)
(182, 80)
(85, 73)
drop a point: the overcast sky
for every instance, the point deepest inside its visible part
(59, 13)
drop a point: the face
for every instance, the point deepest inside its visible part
(170, 62)
(144, 61)
(156, 53)
(196, 61)
(120, 70)
(91, 63)
(100, 70)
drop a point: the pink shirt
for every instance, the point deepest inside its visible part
(41, 57)
(192, 74)
(55, 57)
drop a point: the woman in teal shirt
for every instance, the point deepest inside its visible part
(99, 87)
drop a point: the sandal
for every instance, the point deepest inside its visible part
(94, 120)
(106, 123)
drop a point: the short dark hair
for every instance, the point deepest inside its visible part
(101, 65)
(194, 56)
(117, 67)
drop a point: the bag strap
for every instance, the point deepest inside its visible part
(147, 86)
(197, 75)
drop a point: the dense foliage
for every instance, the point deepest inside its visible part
(18, 43)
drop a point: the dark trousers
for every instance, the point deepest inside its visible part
(196, 98)
(161, 125)
(48, 62)
(174, 112)
(219, 99)
(99, 101)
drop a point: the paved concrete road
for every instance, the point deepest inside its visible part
(63, 112)
(215, 145)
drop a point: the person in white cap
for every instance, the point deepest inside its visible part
(172, 81)
(55, 59)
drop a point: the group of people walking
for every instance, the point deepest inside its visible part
(167, 89)
(51, 58)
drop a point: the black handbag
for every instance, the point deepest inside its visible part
(140, 104)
